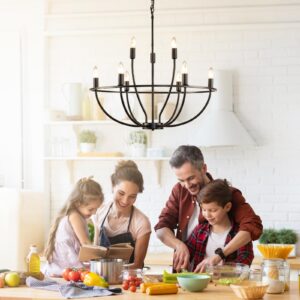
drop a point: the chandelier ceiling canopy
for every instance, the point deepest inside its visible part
(179, 88)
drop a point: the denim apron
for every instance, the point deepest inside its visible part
(125, 237)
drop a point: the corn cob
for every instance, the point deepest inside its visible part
(145, 285)
(162, 289)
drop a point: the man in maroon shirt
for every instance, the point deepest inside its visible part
(182, 213)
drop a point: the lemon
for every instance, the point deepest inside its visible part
(12, 279)
(93, 279)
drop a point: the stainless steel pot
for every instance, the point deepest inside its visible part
(109, 268)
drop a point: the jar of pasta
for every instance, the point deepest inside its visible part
(276, 273)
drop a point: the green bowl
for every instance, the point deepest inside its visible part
(193, 283)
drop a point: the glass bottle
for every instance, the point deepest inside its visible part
(275, 272)
(33, 260)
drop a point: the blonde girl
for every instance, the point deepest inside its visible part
(119, 221)
(69, 230)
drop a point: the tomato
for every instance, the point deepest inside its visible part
(65, 273)
(132, 282)
(82, 275)
(74, 275)
(131, 278)
(125, 286)
(132, 288)
(137, 283)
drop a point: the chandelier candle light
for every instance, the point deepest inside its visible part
(180, 89)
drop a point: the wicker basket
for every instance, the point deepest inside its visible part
(250, 290)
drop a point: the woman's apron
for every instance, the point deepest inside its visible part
(125, 237)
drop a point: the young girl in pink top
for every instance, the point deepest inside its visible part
(69, 230)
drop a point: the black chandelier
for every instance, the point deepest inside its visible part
(181, 88)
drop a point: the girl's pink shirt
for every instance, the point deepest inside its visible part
(66, 251)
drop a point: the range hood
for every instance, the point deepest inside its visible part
(219, 126)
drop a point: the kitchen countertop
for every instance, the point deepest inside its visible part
(165, 259)
(210, 293)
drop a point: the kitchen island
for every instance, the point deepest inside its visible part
(212, 292)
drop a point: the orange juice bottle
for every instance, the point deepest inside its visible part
(33, 260)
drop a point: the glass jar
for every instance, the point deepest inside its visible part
(276, 273)
(132, 277)
(255, 274)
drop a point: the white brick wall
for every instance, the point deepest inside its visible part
(258, 40)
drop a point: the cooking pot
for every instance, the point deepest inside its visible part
(109, 268)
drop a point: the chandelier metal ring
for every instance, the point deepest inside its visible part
(116, 89)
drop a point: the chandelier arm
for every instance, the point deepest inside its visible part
(180, 109)
(111, 117)
(169, 93)
(175, 109)
(129, 114)
(136, 92)
(196, 116)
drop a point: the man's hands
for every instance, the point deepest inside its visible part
(213, 260)
(181, 256)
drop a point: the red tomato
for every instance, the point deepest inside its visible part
(131, 283)
(131, 278)
(74, 275)
(132, 288)
(82, 275)
(65, 273)
(137, 283)
(125, 286)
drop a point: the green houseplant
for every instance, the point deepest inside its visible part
(137, 141)
(137, 137)
(87, 140)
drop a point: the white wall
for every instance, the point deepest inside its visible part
(258, 40)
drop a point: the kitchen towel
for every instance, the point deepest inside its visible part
(71, 289)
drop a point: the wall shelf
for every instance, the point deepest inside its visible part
(156, 162)
(113, 158)
(80, 123)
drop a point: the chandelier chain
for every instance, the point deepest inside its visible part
(152, 7)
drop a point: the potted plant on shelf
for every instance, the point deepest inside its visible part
(280, 242)
(87, 141)
(138, 142)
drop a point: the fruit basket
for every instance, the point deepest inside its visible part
(228, 273)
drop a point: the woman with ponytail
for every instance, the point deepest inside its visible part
(119, 221)
(69, 230)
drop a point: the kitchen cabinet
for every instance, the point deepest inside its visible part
(22, 223)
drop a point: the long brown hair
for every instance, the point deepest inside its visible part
(85, 191)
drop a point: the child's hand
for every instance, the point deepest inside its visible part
(213, 260)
